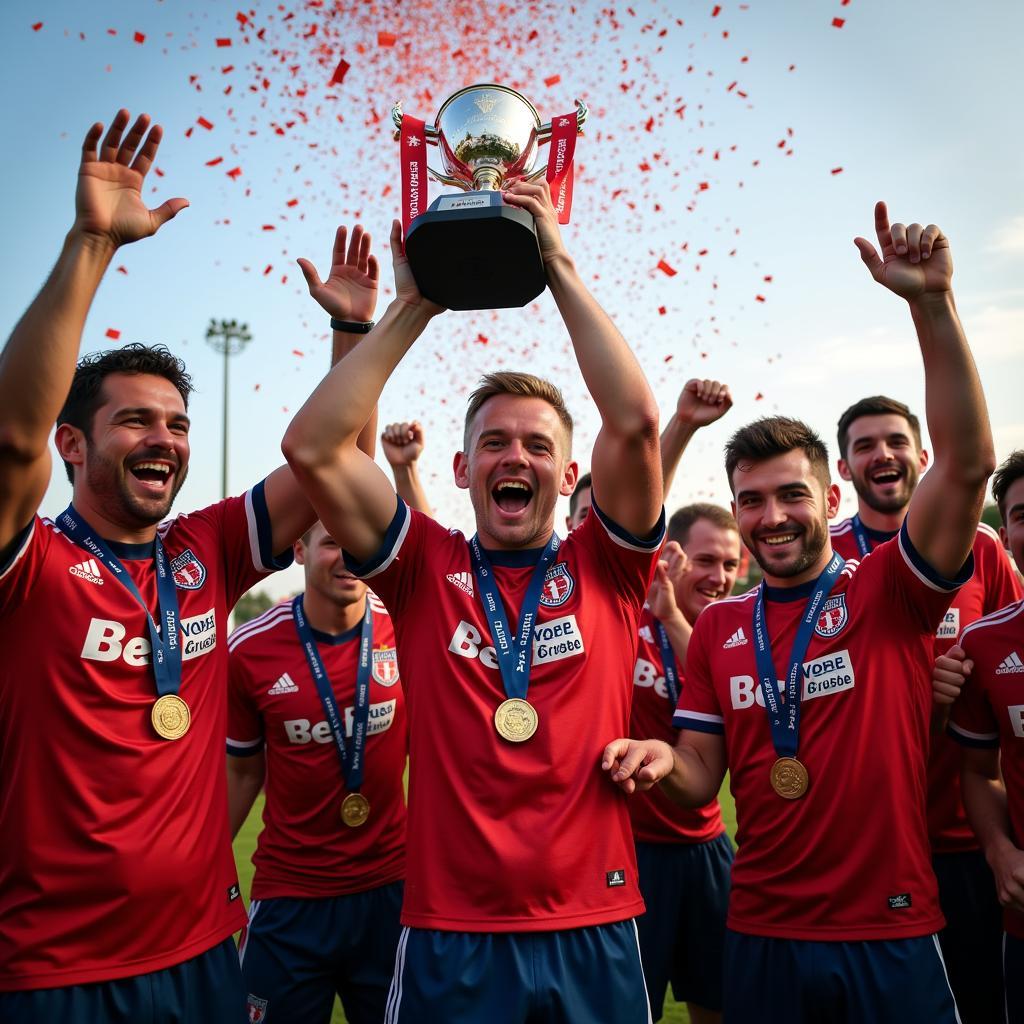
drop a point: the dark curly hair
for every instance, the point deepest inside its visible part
(86, 394)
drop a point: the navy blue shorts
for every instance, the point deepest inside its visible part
(1013, 971)
(204, 990)
(682, 935)
(296, 954)
(791, 981)
(581, 975)
(973, 937)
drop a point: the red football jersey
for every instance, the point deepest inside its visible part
(993, 585)
(116, 858)
(515, 836)
(656, 818)
(850, 859)
(305, 850)
(990, 711)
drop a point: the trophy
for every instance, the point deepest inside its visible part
(474, 251)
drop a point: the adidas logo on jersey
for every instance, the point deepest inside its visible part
(87, 570)
(284, 685)
(738, 639)
(463, 580)
(1010, 664)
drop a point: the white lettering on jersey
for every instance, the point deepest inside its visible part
(828, 674)
(301, 731)
(646, 674)
(466, 643)
(556, 639)
(1016, 712)
(744, 693)
(104, 640)
(949, 627)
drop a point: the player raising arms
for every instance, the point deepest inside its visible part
(517, 655)
(118, 889)
(810, 690)
(880, 452)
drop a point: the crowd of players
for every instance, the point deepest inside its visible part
(568, 708)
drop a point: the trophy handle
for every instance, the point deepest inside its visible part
(429, 131)
(544, 132)
(445, 179)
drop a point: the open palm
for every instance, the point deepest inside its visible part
(350, 291)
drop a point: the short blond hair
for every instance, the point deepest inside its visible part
(523, 385)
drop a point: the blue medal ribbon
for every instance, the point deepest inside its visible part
(861, 536)
(515, 654)
(165, 643)
(786, 729)
(352, 760)
(668, 663)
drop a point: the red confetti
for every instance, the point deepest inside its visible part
(837, 170)
(298, 352)
(266, 270)
(716, 10)
(269, 227)
(703, 186)
(216, 160)
(140, 38)
(667, 270)
(235, 173)
(386, 39)
(292, 202)
(223, 42)
(838, 22)
(760, 298)
(37, 26)
(758, 397)
(481, 339)
(339, 72)
(122, 270)
(662, 310)
(113, 334)
(552, 80)
(669, 358)
(203, 123)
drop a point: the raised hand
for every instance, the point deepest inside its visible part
(350, 291)
(108, 201)
(402, 443)
(406, 289)
(915, 260)
(672, 566)
(702, 402)
(949, 674)
(536, 199)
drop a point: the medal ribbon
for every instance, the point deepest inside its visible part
(413, 144)
(668, 663)
(861, 536)
(166, 645)
(560, 171)
(786, 730)
(352, 760)
(514, 653)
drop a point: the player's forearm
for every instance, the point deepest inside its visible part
(691, 783)
(410, 488)
(343, 342)
(243, 788)
(38, 362)
(338, 410)
(610, 370)
(954, 402)
(674, 439)
(987, 811)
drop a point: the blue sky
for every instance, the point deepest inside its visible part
(916, 102)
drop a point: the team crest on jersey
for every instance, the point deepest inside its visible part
(385, 666)
(833, 617)
(558, 586)
(188, 572)
(257, 1009)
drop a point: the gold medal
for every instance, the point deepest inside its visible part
(789, 778)
(515, 720)
(355, 809)
(171, 717)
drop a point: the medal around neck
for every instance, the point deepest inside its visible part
(516, 720)
(171, 717)
(355, 809)
(789, 778)
(474, 251)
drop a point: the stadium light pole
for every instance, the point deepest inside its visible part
(228, 337)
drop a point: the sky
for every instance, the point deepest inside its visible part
(732, 153)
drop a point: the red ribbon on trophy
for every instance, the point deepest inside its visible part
(414, 170)
(559, 175)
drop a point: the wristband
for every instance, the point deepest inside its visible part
(352, 326)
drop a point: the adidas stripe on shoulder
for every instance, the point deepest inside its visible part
(268, 620)
(995, 618)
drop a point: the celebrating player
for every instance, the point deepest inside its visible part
(117, 883)
(521, 880)
(810, 690)
(988, 719)
(880, 453)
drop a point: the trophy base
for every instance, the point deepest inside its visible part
(472, 251)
